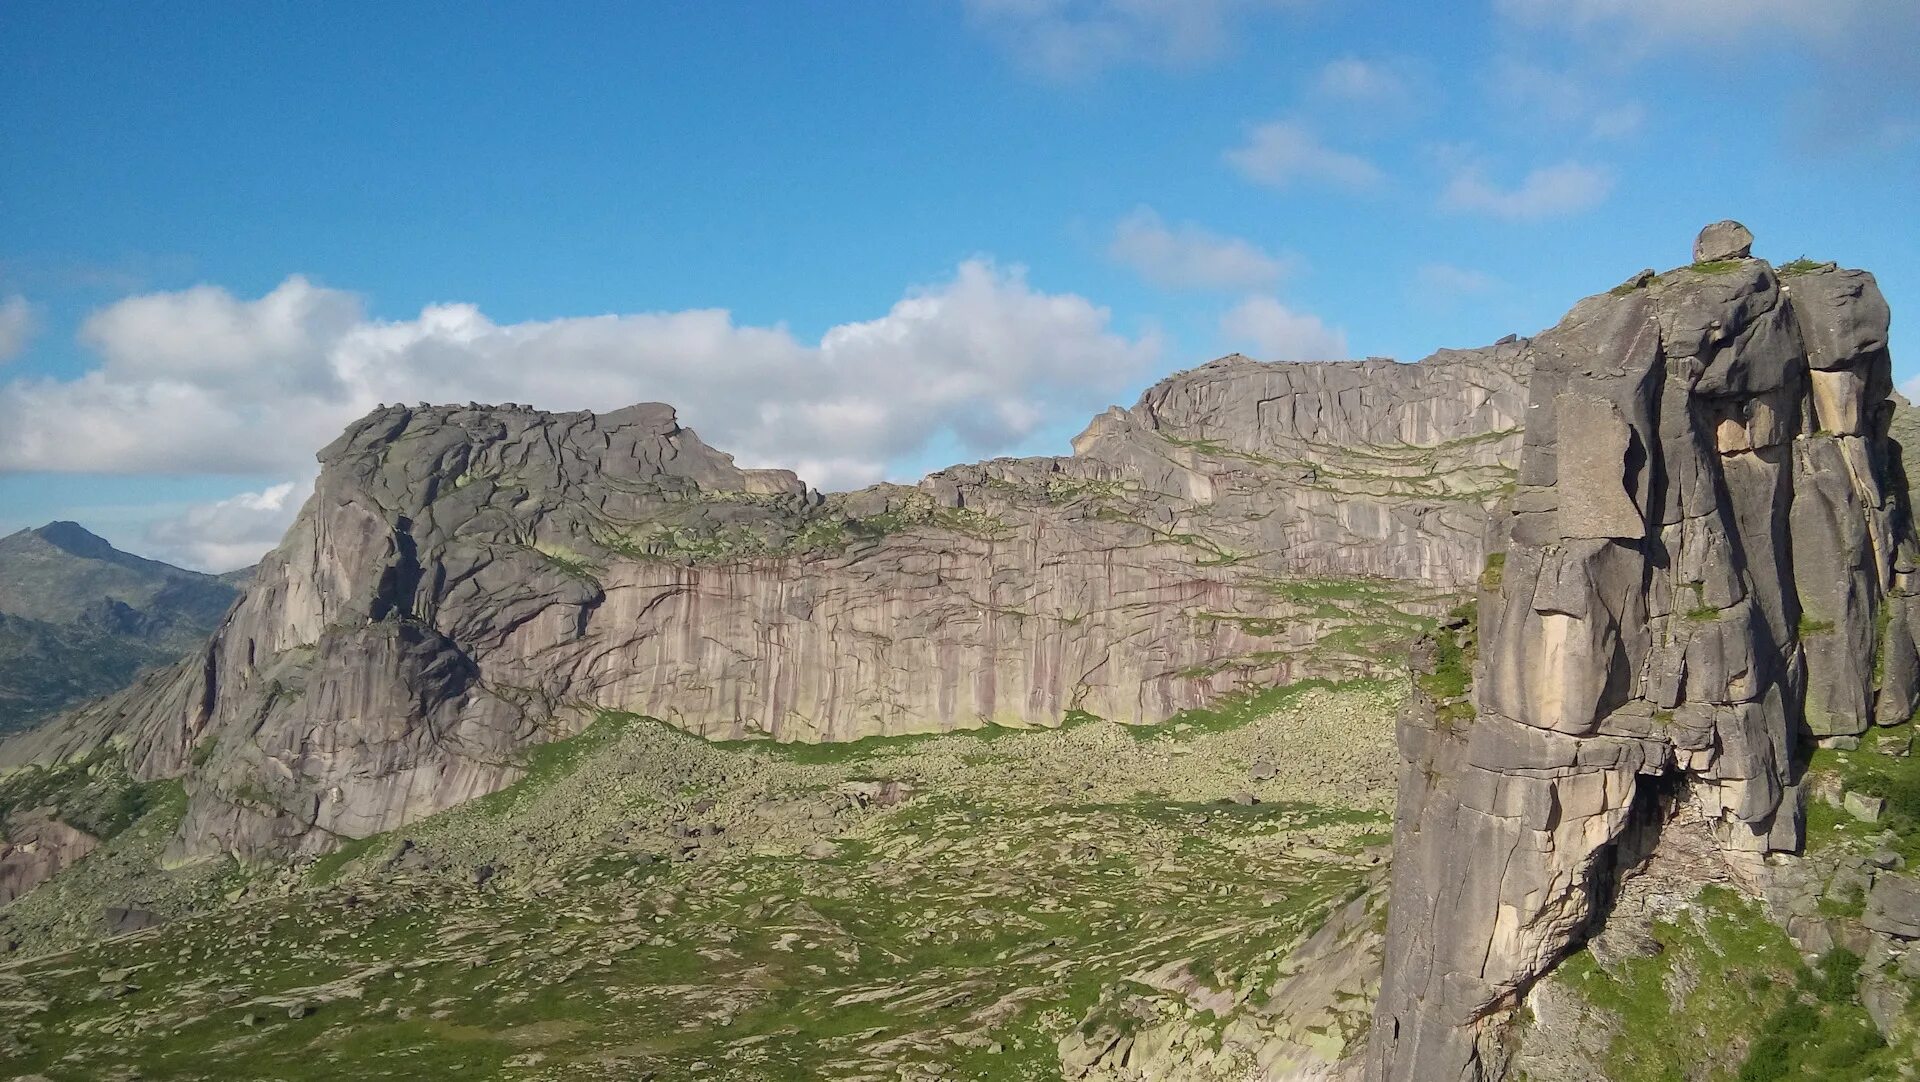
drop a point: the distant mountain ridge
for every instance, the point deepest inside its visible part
(79, 618)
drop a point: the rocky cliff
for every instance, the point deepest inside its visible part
(1708, 566)
(469, 581)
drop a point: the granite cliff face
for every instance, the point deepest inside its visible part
(469, 581)
(1708, 565)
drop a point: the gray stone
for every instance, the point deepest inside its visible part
(453, 591)
(1865, 808)
(1725, 239)
(1893, 906)
(1771, 551)
(1594, 501)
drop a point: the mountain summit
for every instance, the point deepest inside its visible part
(79, 618)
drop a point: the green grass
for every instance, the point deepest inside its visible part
(1803, 265)
(547, 763)
(1728, 999)
(765, 970)
(329, 866)
(1718, 266)
(93, 793)
(1809, 626)
(1450, 682)
(1495, 571)
(1237, 709)
(1866, 770)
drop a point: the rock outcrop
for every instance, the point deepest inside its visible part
(468, 581)
(34, 846)
(1708, 565)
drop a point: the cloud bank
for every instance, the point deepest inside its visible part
(201, 381)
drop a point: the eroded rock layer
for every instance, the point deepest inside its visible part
(1709, 563)
(469, 581)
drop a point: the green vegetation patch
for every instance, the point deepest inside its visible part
(1867, 770)
(94, 793)
(1728, 999)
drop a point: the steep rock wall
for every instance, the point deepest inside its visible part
(1709, 563)
(466, 582)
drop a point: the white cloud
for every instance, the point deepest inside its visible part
(1651, 23)
(1359, 81)
(17, 324)
(1447, 280)
(1547, 192)
(202, 381)
(1280, 152)
(1187, 256)
(1564, 100)
(1067, 39)
(230, 533)
(1859, 92)
(1272, 331)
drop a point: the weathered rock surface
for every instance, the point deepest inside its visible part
(468, 581)
(34, 846)
(1893, 906)
(1710, 562)
(1722, 240)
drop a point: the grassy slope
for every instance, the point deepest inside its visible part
(1033, 884)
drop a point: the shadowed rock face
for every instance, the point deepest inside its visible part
(466, 582)
(1709, 563)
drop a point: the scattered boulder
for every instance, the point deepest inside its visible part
(125, 920)
(1865, 808)
(1893, 906)
(1723, 240)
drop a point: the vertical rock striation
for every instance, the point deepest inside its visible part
(1708, 563)
(469, 581)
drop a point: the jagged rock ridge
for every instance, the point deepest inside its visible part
(1709, 564)
(467, 581)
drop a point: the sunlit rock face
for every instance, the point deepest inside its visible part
(469, 581)
(1708, 564)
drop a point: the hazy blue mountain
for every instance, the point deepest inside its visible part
(79, 618)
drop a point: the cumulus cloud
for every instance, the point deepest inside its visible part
(1265, 328)
(203, 381)
(1068, 39)
(1188, 256)
(229, 533)
(1650, 23)
(1281, 152)
(1546, 192)
(17, 324)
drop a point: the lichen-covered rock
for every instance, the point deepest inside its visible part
(1709, 564)
(469, 581)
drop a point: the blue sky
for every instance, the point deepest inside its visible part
(861, 245)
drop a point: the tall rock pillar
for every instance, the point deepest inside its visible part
(1708, 564)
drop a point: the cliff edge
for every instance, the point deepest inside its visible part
(1708, 566)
